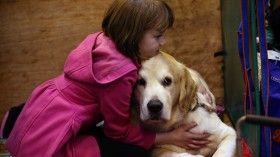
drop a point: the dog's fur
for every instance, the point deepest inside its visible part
(168, 94)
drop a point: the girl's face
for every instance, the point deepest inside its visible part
(150, 43)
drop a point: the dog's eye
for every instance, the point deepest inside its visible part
(167, 81)
(141, 82)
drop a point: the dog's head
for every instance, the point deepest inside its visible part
(164, 88)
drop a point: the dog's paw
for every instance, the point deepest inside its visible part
(197, 156)
(185, 155)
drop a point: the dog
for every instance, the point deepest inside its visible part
(169, 94)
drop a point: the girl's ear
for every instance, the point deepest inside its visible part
(187, 91)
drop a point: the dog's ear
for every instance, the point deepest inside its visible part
(187, 91)
(210, 96)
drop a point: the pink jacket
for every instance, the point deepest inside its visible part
(96, 85)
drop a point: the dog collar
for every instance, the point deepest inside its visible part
(207, 108)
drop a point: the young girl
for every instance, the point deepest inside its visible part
(97, 83)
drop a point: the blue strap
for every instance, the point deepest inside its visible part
(243, 46)
(261, 5)
(263, 51)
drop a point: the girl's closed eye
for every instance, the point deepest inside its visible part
(158, 36)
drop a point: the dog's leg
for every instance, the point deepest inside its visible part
(184, 155)
(161, 152)
(227, 147)
(174, 154)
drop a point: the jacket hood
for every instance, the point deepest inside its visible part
(97, 60)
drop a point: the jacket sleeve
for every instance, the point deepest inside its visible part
(115, 107)
(49, 126)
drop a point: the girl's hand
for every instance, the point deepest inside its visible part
(183, 138)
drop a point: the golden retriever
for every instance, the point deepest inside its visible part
(169, 94)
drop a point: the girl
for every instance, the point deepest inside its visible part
(97, 83)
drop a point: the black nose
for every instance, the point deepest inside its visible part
(155, 106)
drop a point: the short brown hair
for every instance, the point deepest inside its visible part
(126, 21)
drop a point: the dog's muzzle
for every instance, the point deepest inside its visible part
(155, 107)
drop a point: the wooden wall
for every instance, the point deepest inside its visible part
(37, 36)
